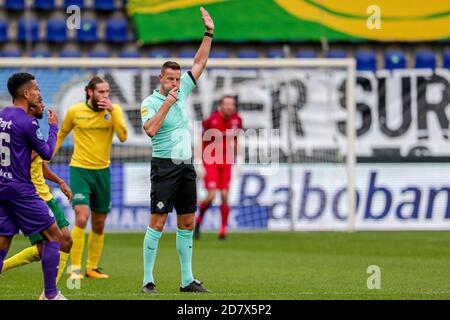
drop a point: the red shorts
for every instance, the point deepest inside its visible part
(217, 176)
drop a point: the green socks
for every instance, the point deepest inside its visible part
(184, 248)
(151, 241)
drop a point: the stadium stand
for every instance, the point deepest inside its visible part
(79, 3)
(394, 59)
(3, 30)
(446, 59)
(306, 53)
(15, 5)
(425, 59)
(70, 54)
(10, 54)
(40, 54)
(104, 5)
(366, 60)
(247, 54)
(186, 53)
(159, 53)
(335, 54)
(116, 30)
(106, 22)
(88, 31)
(99, 54)
(275, 53)
(28, 30)
(56, 30)
(45, 5)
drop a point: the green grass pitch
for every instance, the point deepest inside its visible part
(268, 265)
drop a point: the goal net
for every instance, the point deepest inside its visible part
(297, 164)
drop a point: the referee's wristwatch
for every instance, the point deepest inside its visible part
(208, 34)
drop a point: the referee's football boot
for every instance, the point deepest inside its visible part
(149, 288)
(194, 286)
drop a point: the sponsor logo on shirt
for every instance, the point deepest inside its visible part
(78, 196)
(5, 124)
(5, 174)
(107, 116)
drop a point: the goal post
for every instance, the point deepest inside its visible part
(255, 82)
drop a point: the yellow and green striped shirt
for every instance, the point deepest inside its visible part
(37, 177)
(93, 134)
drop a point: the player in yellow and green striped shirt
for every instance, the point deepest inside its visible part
(94, 123)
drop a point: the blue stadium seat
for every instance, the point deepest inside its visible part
(366, 60)
(129, 54)
(40, 54)
(70, 54)
(104, 5)
(425, 59)
(56, 30)
(394, 59)
(45, 4)
(10, 54)
(446, 59)
(247, 54)
(15, 4)
(99, 54)
(306, 54)
(87, 31)
(3, 30)
(336, 54)
(79, 3)
(219, 54)
(116, 30)
(159, 53)
(28, 30)
(275, 53)
(187, 54)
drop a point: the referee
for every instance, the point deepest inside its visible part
(173, 178)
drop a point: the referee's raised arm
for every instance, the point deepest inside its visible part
(201, 57)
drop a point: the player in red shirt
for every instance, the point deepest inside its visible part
(219, 150)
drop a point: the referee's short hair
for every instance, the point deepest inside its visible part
(170, 65)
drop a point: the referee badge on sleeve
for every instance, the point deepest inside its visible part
(144, 111)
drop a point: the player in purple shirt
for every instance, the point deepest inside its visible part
(20, 205)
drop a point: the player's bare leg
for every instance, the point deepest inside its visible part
(5, 243)
(203, 207)
(224, 211)
(95, 246)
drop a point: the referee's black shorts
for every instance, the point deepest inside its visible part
(173, 185)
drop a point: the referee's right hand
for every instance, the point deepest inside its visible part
(172, 96)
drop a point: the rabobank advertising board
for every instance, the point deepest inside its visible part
(395, 196)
